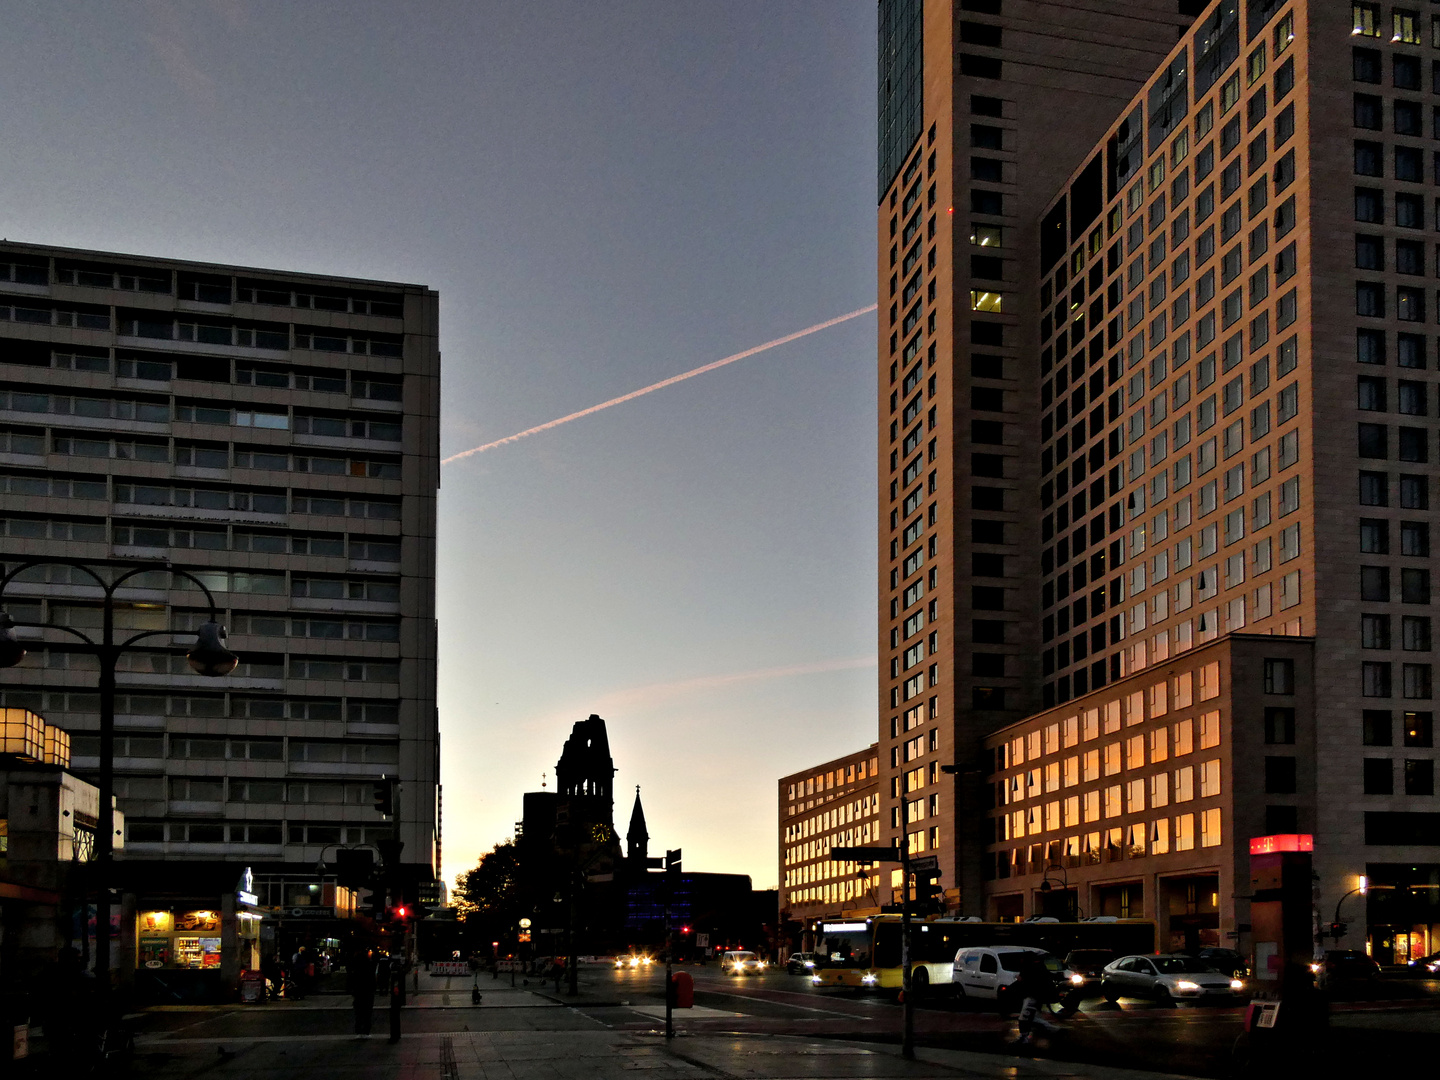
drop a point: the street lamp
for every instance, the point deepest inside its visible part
(1046, 889)
(208, 657)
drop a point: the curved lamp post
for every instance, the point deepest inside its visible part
(207, 657)
(1046, 888)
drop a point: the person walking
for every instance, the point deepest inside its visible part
(1035, 987)
(360, 977)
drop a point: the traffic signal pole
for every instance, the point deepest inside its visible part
(672, 871)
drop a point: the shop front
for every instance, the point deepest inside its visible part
(193, 948)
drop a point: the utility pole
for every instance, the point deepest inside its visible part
(907, 1037)
(899, 855)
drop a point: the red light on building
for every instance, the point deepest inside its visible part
(1265, 845)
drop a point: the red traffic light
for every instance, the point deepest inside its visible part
(400, 912)
(684, 929)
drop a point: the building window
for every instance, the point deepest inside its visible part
(1415, 538)
(1414, 586)
(1280, 775)
(1374, 536)
(1370, 394)
(1375, 679)
(1405, 26)
(1415, 633)
(1373, 441)
(1414, 492)
(1415, 681)
(1279, 676)
(1369, 207)
(1419, 777)
(1375, 631)
(1418, 729)
(1375, 583)
(1379, 776)
(1279, 726)
(1375, 727)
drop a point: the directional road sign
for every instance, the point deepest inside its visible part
(865, 854)
(924, 862)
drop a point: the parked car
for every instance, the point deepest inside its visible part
(741, 963)
(1346, 965)
(1168, 979)
(988, 972)
(803, 963)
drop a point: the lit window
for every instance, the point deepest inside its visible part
(1406, 27)
(985, 301)
(986, 236)
(1210, 828)
(1365, 20)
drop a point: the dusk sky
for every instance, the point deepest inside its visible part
(604, 196)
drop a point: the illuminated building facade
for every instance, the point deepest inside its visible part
(832, 805)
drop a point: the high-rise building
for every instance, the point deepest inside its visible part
(277, 434)
(985, 108)
(1156, 461)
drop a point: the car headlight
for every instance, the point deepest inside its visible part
(761, 964)
(1186, 984)
(1315, 969)
(867, 978)
(815, 979)
(1237, 984)
(810, 963)
(1077, 980)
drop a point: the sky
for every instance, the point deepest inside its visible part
(604, 196)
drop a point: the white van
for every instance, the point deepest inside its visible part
(988, 971)
(741, 963)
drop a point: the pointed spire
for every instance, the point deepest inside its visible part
(637, 839)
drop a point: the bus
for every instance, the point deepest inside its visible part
(865, 954)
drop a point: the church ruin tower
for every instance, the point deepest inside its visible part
(586, 771)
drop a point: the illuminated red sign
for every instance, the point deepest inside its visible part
(1264, 845)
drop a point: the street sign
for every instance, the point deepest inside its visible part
(924, 862)
(865, 854)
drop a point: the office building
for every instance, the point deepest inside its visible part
(1160, 423)
(836, 804)
(985, 108)
(277, 434)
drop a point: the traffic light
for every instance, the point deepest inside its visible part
(354, 867)
(385, 796)
(927, 887)
(1338, 930)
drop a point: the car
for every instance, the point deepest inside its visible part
(739, 962)
(1225, 960)
(1348, 965)
(634, 960)
(1426, 964)
(1080, 974)
(1168, 979)
(989, 971)
(803, 963)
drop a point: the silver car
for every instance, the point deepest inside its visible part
(1168, 979)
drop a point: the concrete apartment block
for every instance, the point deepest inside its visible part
(276, 433)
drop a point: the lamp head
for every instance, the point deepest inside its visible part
(1045, 886)
(209, 657)
(11, 651)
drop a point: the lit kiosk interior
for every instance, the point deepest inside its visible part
(194, 948)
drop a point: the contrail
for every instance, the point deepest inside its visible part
(661, 385)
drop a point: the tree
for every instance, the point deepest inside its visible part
(489, 895)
